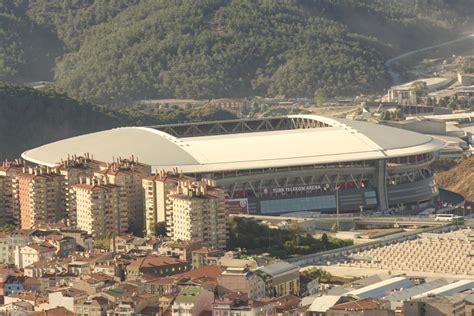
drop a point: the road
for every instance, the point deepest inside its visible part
(396, 76)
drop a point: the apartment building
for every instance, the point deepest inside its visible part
(157, 189)
(73, 169)
(198, 213)
(10, 241)
(8, 203)
(101, 208)
(38, 192)
(128, 173)
(281, 278)
(241, 280)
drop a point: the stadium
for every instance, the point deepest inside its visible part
(280, 164)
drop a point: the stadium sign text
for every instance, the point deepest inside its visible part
(301, 188)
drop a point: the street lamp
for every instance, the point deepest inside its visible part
(337, 208)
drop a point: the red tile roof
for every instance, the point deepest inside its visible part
(360, 305)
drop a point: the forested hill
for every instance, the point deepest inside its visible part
(121, 50)
(31, 118)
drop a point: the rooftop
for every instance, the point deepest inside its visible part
(337, 140)
(360, 305)
(278, 268)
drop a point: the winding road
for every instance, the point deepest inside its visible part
(396, 76)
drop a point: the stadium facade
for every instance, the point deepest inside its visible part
(278, 165)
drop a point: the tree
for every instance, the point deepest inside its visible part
(420, 89)
(160, 229)
(453, 106)
(325, 241)
(319, 97)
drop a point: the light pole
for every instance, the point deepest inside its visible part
(337, 208)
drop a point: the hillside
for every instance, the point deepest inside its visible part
(459, 179)
(113, 52)
(30, 118)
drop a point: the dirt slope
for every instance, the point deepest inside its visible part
(459, 179)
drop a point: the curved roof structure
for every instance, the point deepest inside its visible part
(333, 140)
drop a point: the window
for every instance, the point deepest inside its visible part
(298, 204)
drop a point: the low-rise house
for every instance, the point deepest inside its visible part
(238, 304)
(67, 298)
(56, 311)
(241, 280)
(64, 245)
(362, 307)
(135, 305)
(42, 267)
(322, 304)
(286, 304)
(14, 284)
(232, 259)
(5, 273)
(40, 302)
(435, 305)
(179, 249)
(118, 293)
(159, 266)
(83, 239)
(205, 256)
(95, 306)
(281, 278)
(10, 241)
(36, 285)
(94, 283)
(26, 255)
(17, 308)
(192, 301)
(165, 285)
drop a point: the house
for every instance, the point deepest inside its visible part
(179, 249)
(14, 284)
(39, 302)
(238, 304)
(241, 280)
(159, 266)
(205, 256)
(435, 305)
(83, 239)
(26, 255)
(93, 283)
(56, 311)
(95, 306)
(162, 286)
(135, 305)
(67, 298)
(281, 278)
(362, 307)
(192, 301)
(64, 245)
(10, 241)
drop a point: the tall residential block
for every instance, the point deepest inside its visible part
(73, 169)
(198, 213)
(38, 192)
(9, 209)
(101, 208)
(129, 173)
(157, 190)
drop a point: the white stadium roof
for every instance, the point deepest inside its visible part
(343, 140)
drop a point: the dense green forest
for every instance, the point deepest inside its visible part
(117, 51)
(30, 118)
